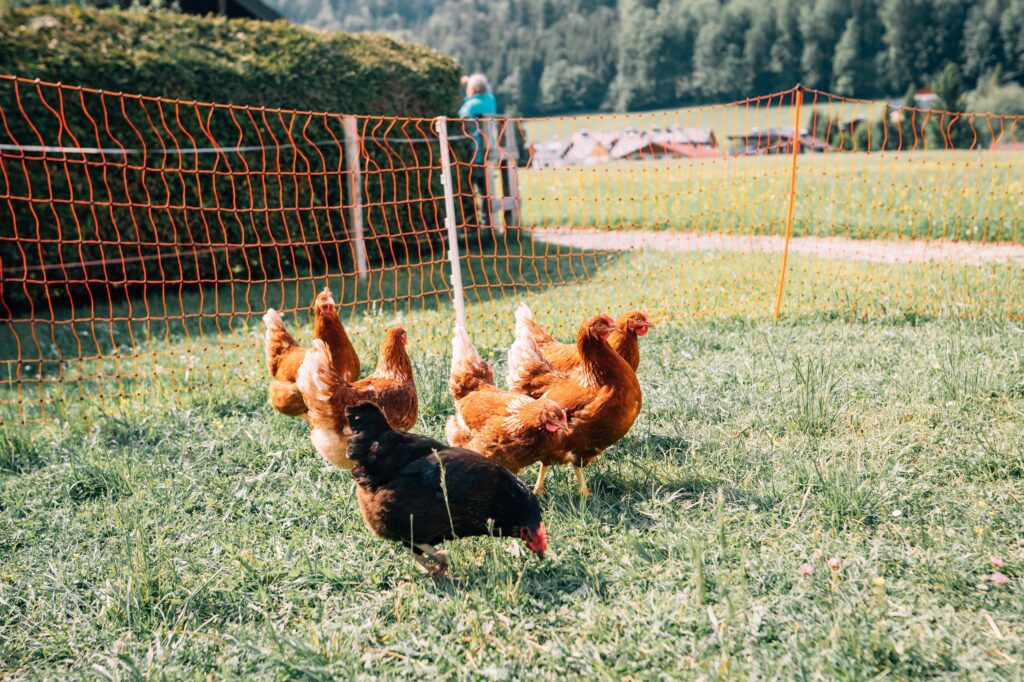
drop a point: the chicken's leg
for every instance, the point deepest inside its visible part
(584, 490)
(432, 561)
(538, 488)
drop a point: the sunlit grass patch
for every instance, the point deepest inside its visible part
(207, 537)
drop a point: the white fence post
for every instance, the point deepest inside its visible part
(510, 178)
(492, 151)
(355, 193)
(449, 221)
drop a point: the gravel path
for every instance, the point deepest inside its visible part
(875, 250)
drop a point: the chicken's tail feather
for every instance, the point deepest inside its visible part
(319, 384)
(469, 371)
(525, 357)
(277, 339)
(316, 379)
(272, 319)
(524, 319)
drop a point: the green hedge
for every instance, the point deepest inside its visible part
(142, 208)
(237, 61)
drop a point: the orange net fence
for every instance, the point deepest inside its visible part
(143, 238)
(795, 203)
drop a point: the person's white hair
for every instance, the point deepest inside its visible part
(477, 83)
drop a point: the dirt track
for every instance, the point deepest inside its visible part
(876, 250)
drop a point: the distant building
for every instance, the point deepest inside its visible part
(674, 142)
(586, 148)
(235, 9)
(548, 154)
(924, 100)
(775, 141)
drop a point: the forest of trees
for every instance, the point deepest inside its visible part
(548, 56)
(554, 56)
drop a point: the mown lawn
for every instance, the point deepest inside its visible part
(107, 357)
(207, 541)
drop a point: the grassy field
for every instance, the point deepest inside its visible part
(107, 357)
(207, 541)
(963, 195)
(723, 119)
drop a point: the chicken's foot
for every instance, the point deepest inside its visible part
(584, 490)
(433, 562)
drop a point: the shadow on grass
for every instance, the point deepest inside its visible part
(612, 483)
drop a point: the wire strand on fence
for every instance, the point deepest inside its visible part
(144, 271)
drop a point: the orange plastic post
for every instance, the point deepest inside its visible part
(798, 95)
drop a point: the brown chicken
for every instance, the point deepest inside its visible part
(512, 429)
(327, 394)
(564, 357)
(284, 355)
(602, 399)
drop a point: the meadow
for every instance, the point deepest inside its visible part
(955, 195)
(105, 358)
(768, 111)
(836, 496)
(821, 499)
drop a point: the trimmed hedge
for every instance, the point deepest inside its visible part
(231, 61)
(142, 208)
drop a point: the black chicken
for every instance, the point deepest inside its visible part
(421, 492)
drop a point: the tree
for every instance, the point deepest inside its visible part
(949, 86)
(1011, 29)
(787, 48)
(670, 52)
(906, 45)
(847, 68)
(981, 51)
(720, 70)
(633, 86)
(568, 87)
(947, 128)
(757, 50)
(820, 28)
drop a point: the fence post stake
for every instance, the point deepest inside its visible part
(449, 221)
(798, 95)
(355, 193)
(492, 150)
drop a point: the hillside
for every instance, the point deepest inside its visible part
(550, 56)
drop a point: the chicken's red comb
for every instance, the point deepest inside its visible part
(608, 318)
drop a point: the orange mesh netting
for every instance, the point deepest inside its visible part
(143, 238)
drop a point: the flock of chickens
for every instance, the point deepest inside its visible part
(566, 403)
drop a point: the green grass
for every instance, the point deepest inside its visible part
(208, 539)
(919, 194)
(168, 360)
(959, 195)
(723, 119)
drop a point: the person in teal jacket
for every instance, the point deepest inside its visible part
(479, 103)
